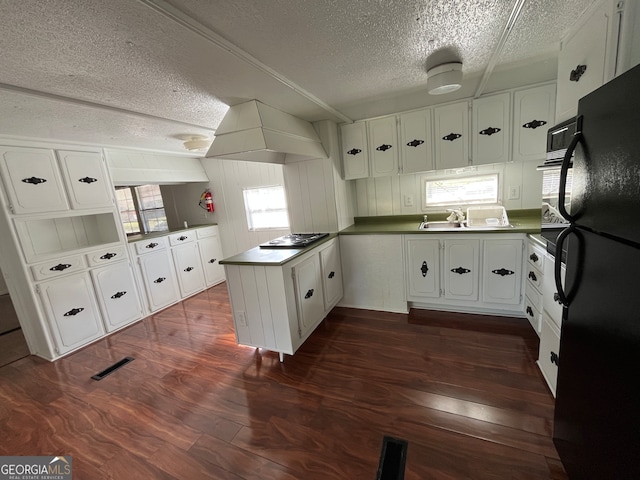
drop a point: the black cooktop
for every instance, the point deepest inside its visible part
(294, 240)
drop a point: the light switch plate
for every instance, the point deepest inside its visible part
(514, 193)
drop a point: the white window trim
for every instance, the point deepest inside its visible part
(459, 174)
(248, 213)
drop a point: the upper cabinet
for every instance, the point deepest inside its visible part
(585, 59)
(491, 129)
(355, 156)
(383, 146)
(86, 177)
(416, 141)
(533, 115)
(451, 132)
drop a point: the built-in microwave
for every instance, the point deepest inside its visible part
(558, 139)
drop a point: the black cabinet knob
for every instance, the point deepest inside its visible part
(309, 294)
(118, 295)
(424, 268)
(73, 312)
(188, 269)
(151, 245)
(87, 180)
(533, 277)
(533, 257)
(159, 280)
(60, 267)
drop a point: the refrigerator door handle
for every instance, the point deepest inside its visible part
(564, 169)
(557, 266)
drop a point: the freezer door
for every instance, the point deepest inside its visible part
(597, 414)
(606, 168)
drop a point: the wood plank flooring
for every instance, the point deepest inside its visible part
(463, 390)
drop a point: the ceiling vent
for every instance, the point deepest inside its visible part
(257, 132)
(444, 78)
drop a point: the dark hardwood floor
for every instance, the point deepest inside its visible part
(463, 390)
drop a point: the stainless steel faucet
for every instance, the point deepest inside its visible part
(456, 215)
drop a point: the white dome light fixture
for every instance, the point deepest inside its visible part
(444, 78)
(196, 142)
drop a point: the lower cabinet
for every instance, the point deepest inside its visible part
(277, 307)
(210, 256)
(117, 295)
(72, 311)
(186, 259)
(470, 272)
(159, 279)
(549, 356)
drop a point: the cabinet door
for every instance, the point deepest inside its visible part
(189, 268)
(461, 269)
(491, 129)
(72, 311)
(210, 256)
(32, 180)
(331, 275)
(416, 141)
(451, 135)
(117, 295)
(309, 296)
(549, 352)
(502, 271)
(86, 179)
(355, 155)
(383, 146)
(423, 265)
(533, 115)
(586, 48)
(159, 279)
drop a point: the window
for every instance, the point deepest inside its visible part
(266, 207)
(461, 191)
(141, 209)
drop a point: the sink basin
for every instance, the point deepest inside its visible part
(443, 225)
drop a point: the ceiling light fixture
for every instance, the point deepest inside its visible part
(444, 78)
(196, 142)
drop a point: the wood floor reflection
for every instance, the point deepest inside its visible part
(463, 390)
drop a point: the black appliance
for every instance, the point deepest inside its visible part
(597, 413)
(558, 140)
(294, 240)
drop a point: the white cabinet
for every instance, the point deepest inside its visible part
(451, 135)
(585, 58)
(159, 279)
(188, 265)
(309, 294)
(117, 295)
(210, 256)
(32, 180)
(533, 291)
(355, 153)
(549, 353)
(551, 303)
(416, 141)
(491, 129)
(533, 115)
(331, 274)
(86, 177)
(422, 267)
(502, 271)
(383, 146)
(72, 311)
(461, 269)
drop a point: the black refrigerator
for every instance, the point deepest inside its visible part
(597, 413)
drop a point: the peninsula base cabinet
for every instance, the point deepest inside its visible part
(277, 307)
(476, 273)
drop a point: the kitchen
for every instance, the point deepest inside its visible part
(123, 131)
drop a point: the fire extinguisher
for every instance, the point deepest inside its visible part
(206, 201)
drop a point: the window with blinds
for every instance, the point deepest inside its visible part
(473, 190)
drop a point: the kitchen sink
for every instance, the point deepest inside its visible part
(440, 225)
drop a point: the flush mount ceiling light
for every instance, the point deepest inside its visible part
(196, 142)
(444, 78)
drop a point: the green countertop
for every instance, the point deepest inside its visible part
(523, 221)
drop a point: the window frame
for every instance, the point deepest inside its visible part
(143, 224)
(461, 203)
(248, 212)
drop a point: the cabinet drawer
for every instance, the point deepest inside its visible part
(535, 256)
(549, 355)
(206, 232)
(534, 295)
(181, 238)
(151, 245)
(532, 311)
(550, 302)
(534, 276)
(57, 267)
(106, 256)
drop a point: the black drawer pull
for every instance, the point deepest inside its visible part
(87, 180)
(60, 267)
(460, 270)
(188, 269)
(555, 358)
(213, 260)
(108, 256)
(415, 143)
(533, 277)
(73, 311)
(502, 272)
(354, 151)
(159, 280)
(529, 311)
(452, 136)
(118, 295)
(556, 298)
(34, 180)
(383, 148)
(424, 268)
(182, 238)
(152, 245)
(533, 124)
(331, 274)
(309, 294)
(534, 257)
(490, 131)
(575, 75)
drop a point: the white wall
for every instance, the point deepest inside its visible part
(388, 195)
(3, 285)
(227, 180)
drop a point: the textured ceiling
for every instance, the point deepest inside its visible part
(139, 73)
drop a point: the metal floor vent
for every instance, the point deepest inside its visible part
(112, 368)
(392, 459)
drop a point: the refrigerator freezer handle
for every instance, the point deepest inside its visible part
(564, 169)
(557, 267)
